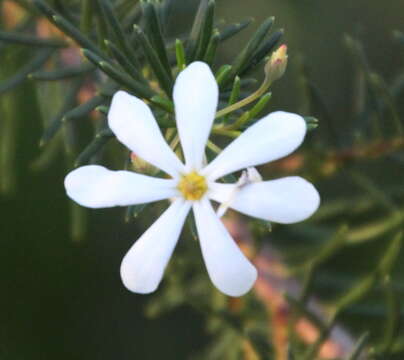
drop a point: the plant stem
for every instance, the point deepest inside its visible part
(254, 96)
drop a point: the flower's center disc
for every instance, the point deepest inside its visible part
(192, 186)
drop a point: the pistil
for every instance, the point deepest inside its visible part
(192, 186)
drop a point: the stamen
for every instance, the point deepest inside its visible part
(192, 186)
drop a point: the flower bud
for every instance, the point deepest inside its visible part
(276, 65)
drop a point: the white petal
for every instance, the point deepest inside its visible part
(97, 187)
(287, 200)
(228, 268)
(134, 125)
(195, 97)
(271, 138)
(143, 266)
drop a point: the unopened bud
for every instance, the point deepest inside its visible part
(276, 65)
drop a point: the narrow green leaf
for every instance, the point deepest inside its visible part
(86, 15)
(233, 29)
(164, 10)
(30, 40)
(123, 60)
(66, 26)
(234, 96)
(163, 103)
(212, 48)
(373, 105)
(84, 109)
(102, 109)
(23, 26)
(392, 325)
(119, 76)
(308, 280)
(331, 247)
(235, 91)
(120, 37)
(155, 35)
(205, 32)
(248, 115)
(391, 254)
(382, 91)
(78, 222)
(250, 49)
(132, 16)
(48, 155)
(9, 105)
(61, 74)
(196, 29)
(311, 122)
(241, 120)
(40, 59)
(374, 191)
(180, 54)
(154, 61)
(56, 122)
(359, 347)
(356, 293)
(259, 106)
(44, 8)
(373, 229)
(265, 49)
(101, 25)
(61, 6)
(75, 34)
(223, 73)
(100, 140)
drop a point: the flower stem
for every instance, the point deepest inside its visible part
(220, 130)
(254, 96)
(212, 146)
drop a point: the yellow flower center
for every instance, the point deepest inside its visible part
(192, 186)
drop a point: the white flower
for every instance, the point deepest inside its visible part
(193, 185)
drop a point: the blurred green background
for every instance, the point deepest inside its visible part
(64, 300)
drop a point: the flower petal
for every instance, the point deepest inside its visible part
(271, 138)
(287, 200)
(195, 97)
(134, 125)
(143, 266)
(229, 269)
(97, 187)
